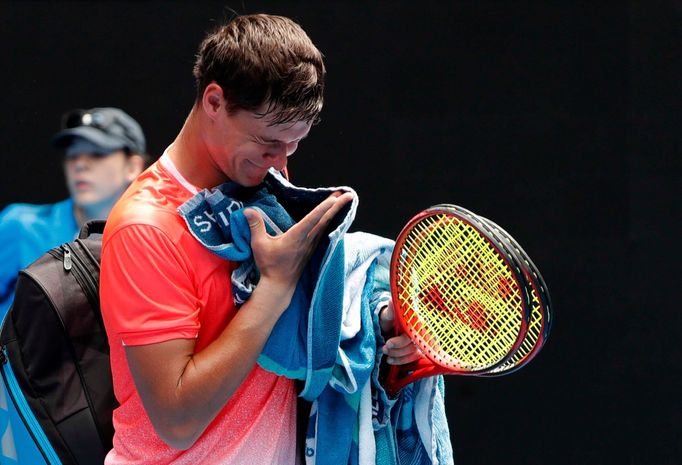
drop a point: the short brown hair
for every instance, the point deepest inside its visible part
(265, 64)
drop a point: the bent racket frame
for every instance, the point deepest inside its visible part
(460, 294)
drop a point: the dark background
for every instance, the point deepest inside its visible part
(559, 120)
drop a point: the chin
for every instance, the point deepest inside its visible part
(250, 181)
(250, 184)
(89, 200)
(85, 199)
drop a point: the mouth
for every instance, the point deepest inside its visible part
(254, 173)
(82, 185)
(256, 166)
(257, 170)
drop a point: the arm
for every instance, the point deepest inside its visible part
(183, 391)
(10, 248)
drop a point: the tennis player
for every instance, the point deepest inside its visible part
(183, 360)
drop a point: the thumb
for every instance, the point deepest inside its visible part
(255, 221)
(387, 319)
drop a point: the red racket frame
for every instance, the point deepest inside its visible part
(398, 376)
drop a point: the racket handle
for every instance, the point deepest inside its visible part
(396, 377)
(399, 376)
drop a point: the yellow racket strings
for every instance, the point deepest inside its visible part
(530, 340)
(460, 299)
(539, 307)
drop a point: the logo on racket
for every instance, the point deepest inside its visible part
(475, 316)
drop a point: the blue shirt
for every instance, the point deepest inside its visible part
(26, 232)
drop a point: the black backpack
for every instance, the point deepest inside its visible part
(55, 356)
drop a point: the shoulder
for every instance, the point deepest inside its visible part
(27, 231)
(21, 213)
(151, 201)
(27, 217)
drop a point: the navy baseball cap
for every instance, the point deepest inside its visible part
(107, 128)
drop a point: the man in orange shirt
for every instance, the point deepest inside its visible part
(183, 359)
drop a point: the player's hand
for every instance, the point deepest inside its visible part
(399, 350)
(281, 259)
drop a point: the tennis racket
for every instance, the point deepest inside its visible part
(542, 316)
(460, 294)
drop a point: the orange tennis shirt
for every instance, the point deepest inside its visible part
(157, 284)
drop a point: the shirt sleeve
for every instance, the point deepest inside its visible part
(146, 287)
(9, 257)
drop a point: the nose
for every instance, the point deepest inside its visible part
(79, 161)
(291, 148)
(278, 154)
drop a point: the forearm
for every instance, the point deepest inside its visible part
(214, 374)
(200, 384)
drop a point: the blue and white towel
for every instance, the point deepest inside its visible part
(333, 318)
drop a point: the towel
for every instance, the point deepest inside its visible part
(333, 321)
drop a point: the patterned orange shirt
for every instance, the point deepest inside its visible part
(157, 284)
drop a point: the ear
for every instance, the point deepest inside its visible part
(213, 100)
(135, 166)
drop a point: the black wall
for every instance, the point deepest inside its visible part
(559, 120)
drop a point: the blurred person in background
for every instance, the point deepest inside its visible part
(104, 149)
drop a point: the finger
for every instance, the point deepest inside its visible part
(404, 360)
(401, 351)
(398, 342)
(387, 318)
(308, 222)
(319, 227)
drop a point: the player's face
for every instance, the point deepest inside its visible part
(245, 146)
(95, 180)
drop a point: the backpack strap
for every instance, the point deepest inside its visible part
(92, 227)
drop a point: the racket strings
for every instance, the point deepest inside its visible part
(530, 340)
(476, 273)
(538, 282)
(540, 312)
(445, 272)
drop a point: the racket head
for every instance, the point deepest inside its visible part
(458, 292)
(542, 315)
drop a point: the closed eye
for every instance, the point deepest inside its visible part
(268, 142)
(276, 142)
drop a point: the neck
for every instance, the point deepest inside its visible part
(84, 214)
(192, 157)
